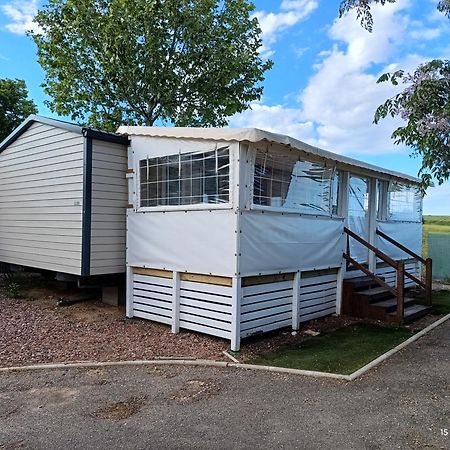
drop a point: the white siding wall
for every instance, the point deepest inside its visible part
(41, 194)
(109, 203)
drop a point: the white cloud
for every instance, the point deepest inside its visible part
(436, 201)
(273, 24)
(277, 119)
(21, 15)
(335, 110)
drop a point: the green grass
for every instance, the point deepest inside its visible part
(441, 303)
(434, 224)
(342, 351)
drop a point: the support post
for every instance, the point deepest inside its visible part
(372, 223)
(400, 291)
(236, 314)
(429, 281)
(176, 303)
(129, 292)
(296, 301)
(339, 289)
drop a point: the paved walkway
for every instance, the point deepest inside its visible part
(404, 403)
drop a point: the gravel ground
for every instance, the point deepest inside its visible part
(402, 404)
(35, 330)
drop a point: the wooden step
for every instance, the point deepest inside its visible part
(362, 282)
(390, 305)
(413, 312)
(376, 293)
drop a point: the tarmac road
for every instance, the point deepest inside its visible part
(404, 403)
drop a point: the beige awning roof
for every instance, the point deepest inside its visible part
(254, 135)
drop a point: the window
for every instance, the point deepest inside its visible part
(358, 197)
(282, 181)
(186, 179)
(404, 203)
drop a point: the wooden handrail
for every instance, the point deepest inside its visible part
(377, 252)
(428, 284)
(401, 246)
(370, 274)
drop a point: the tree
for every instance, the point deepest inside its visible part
(424, 104)
(187, 62)
(14, 105)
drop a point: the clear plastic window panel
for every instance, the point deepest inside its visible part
(405, 203)
(186, 179)
(282, 181)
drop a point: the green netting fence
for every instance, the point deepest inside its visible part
(439, 252)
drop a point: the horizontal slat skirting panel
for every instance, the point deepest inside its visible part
(321, 294)
(266, 304)
(201, 304)
(206, 313)
(304, 311)
(260, 325)
(154, 317)
(192, 325)
(266, 307)
(152, 298)
(266, 296)
(313, 281)
(318, 295)
(265, 279)
(267, 328)
(206, 307)
(213, 289)
(318, 287)
(266, 288)
(152, 280)
(318, 301)
(141, 290)
(317, 315)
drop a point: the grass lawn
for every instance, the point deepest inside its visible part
(434, 224)
(342, 351)
(441, 303)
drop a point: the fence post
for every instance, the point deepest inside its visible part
(428, 281)
(129, 292)
(400, 291)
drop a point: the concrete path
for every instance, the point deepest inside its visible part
(404, 403)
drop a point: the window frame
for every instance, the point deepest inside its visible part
(195, 206)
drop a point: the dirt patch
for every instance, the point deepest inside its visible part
(121, 410)
(196, 390)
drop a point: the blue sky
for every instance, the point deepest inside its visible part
(322, 88)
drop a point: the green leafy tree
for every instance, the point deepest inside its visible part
(14, 105)
(424, 103)
(112, 62)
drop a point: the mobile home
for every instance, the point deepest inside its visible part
(63, 197)
(234, 232)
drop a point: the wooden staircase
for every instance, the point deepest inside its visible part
(371, 297)
(362, 297)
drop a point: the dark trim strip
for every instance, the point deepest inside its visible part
(87, 209)
(103, 136)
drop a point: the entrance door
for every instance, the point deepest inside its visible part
(358, 216)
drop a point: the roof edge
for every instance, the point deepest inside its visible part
(85, 131)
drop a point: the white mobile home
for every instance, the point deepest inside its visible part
(235, 232)
(63, 197)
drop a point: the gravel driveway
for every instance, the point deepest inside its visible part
(403, 404)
